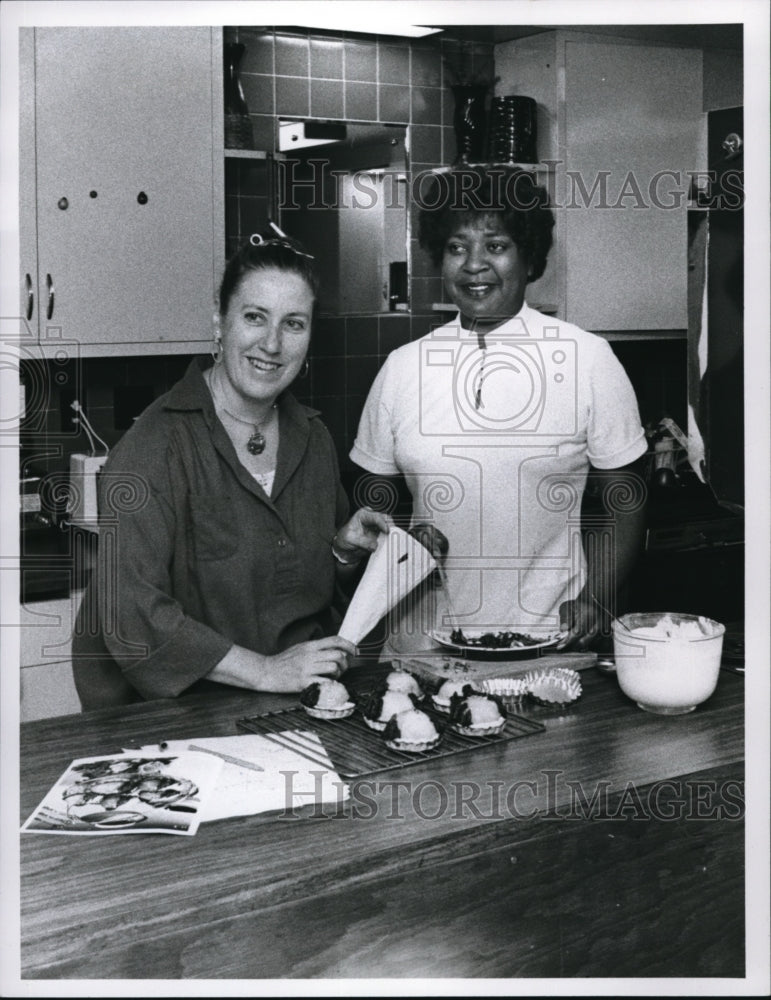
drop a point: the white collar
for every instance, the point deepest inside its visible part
(526, 323)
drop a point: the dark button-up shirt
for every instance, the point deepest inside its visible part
(194, 557)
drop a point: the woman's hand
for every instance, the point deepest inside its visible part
(301, 665)
(358, 537)
(287, 672)
(437, 544)
(580, 620)
(432, 539)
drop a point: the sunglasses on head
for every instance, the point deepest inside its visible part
(258, 241)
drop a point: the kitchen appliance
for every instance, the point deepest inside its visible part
(693, 557)
(55, 556)
(82, 504)
(719, 404)
(694, 546)
(512, 130)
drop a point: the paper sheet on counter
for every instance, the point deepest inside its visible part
(269, 777)
(396, 567)
(130, 792)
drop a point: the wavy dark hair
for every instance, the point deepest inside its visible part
(452, 198)
(260, 253)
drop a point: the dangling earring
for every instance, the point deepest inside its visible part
(305, 369)
(216, 351)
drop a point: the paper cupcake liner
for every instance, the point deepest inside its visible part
(440, 704)
(330, 713)
(555, 687)
(413, 747)
(512, 691)
(374, 724)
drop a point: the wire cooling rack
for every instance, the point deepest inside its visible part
(357, 751)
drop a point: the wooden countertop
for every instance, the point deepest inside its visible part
(493, 863)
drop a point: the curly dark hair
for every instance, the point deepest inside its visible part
(451, 198)
(259, 254)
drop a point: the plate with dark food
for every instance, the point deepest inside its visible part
(506, 644)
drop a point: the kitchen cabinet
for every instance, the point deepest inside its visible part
(47, 686)
(622, 125)
(121, 191)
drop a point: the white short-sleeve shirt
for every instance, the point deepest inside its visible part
(495, 446)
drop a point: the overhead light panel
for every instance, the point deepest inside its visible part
(372, 25)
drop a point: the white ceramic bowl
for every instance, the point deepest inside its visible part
(667, 662)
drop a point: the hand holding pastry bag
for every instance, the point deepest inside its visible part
(397, 566)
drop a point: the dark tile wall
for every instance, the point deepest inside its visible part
(347, 354)
(340, 76)
(658, 373)
(112, 391)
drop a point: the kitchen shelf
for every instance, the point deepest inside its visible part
(630, 335)
(533, 168)
(252, 154)
(246, 154)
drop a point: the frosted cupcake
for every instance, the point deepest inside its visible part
(412, 731)
(382, 704)
(473, 714)
(327, 699)
(403, 680)
(443, 696)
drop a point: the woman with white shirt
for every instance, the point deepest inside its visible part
(495, 421)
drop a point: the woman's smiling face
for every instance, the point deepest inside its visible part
(484, 271)
(265, 333)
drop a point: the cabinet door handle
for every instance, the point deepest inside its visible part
(51, 296)
(30, 297)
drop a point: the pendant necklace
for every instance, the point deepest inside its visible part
(257, 441)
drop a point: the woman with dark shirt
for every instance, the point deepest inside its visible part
(224, 530)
